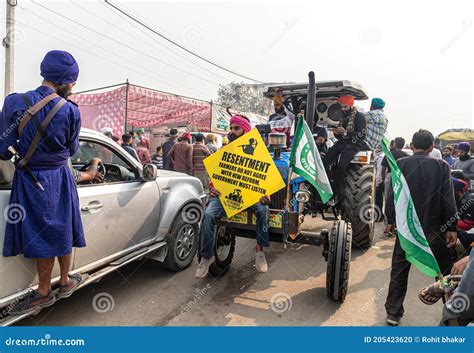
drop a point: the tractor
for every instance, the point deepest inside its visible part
(353, 214)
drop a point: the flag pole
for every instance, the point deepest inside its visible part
(288, 189)
(452, 322)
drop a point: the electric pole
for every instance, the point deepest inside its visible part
(8, 42)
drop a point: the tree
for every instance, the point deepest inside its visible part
(244, 97)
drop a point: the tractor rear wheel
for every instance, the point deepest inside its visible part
(358, 203)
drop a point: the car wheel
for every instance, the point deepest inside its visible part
(182, 245)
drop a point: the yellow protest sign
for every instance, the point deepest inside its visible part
(243, 171)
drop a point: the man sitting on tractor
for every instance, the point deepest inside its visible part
(350, 136)
(239, 126)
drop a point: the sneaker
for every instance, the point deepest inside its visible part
(393, 320)
(203, 267)
(33, 302)
(261, 261)
(75, 280)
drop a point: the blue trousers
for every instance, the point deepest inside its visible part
(215, 211)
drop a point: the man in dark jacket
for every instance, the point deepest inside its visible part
(127, 146)
(167, 146)
(431, 189)
(350, 136)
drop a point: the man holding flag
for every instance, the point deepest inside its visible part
(421, 203)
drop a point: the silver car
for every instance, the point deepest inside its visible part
(137, 212)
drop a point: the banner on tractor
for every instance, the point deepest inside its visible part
(243, 171)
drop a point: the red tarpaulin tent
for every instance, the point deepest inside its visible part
(137, 106)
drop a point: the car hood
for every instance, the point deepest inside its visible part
(169, 174)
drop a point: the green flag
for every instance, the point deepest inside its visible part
(306, 161)
(410, 234)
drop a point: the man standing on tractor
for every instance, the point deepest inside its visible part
(239, 126)
(350, 136)
(377, 123)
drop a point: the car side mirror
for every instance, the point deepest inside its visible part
(150, 172)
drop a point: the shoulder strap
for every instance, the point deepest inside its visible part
(37, 138)
(36, 122)
(32, 110)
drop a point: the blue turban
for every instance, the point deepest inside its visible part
(378, 103)
(464, 146)
(59, 67)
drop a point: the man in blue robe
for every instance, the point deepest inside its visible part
(50, 224)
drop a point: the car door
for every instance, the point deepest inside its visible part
(18, 272)
(118, 214)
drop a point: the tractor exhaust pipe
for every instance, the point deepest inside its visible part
(311, 101)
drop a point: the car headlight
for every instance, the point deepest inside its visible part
(302, 196)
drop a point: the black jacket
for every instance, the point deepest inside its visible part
(432, 192)
(357, 136)
(131, 151)
(167, 146)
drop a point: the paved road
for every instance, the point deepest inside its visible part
(144, 293)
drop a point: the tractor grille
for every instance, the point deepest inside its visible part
(278, 199)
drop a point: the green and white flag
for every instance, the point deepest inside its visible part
(306, 161)
(410, 233)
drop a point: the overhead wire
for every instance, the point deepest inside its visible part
(153, 38)
(121, 43)
(96, 45)
(179, 45)
(147, 75)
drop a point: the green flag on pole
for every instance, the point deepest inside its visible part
(306, 161)
(410, 234)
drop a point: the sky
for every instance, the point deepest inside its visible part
(415, 55)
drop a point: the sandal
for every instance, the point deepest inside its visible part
(433, 294)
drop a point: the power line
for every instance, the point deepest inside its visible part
(85, 50)
(105, 49)
(185, 60)
(147, 74)
(177, 44)
(122, 44)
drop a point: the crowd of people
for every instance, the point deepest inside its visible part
(439, 184)
(177, 154)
